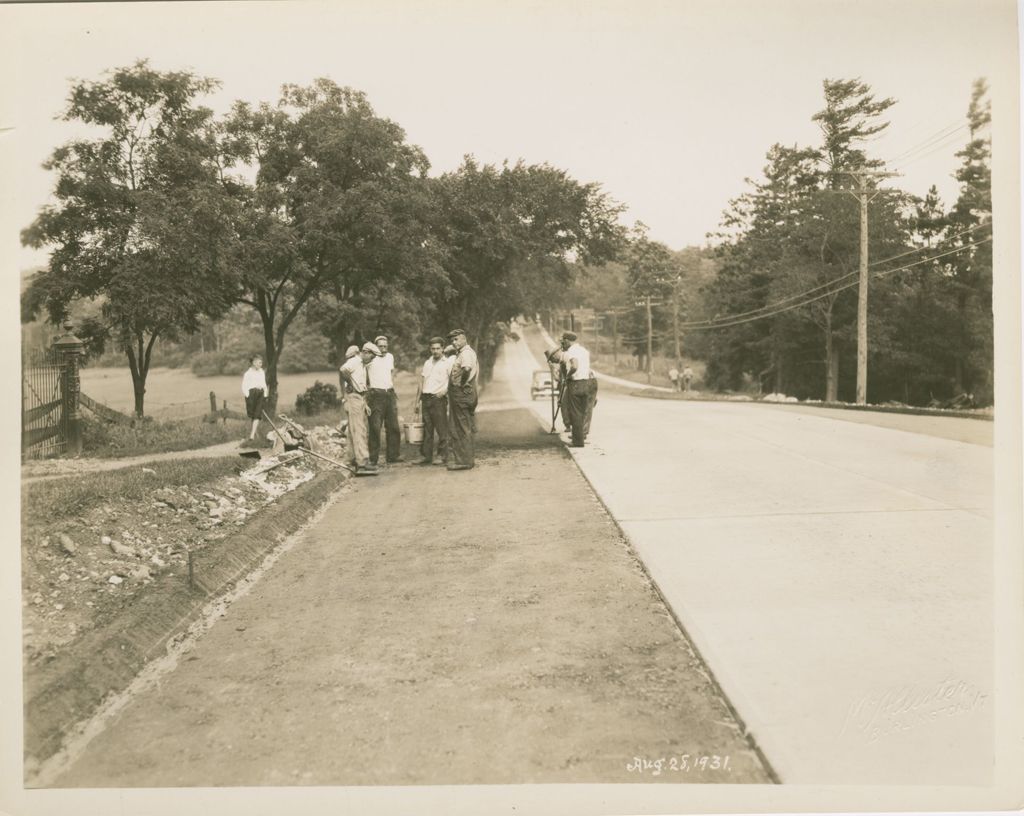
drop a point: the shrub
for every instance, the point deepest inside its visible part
(214, 363)
(319, 397)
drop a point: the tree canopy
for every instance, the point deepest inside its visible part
(141, 223)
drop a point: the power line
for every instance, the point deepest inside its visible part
(940, 135)
(732, 321)
(940, 147)
(828, 283)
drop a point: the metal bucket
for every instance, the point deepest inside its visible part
(413, 432)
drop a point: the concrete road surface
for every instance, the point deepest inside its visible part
(836, 576)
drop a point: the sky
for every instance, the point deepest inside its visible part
(669, 106)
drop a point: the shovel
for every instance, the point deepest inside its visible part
(255, 454)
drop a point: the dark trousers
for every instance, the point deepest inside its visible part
(384, 414)
(579, 394)
(461, 424)
(435, 420)
(592, 387)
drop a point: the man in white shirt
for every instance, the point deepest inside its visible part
(581, 388)
(355, 385)
(434, 402)
(383, 403)
(462, 398)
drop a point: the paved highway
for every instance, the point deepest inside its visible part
(837, 576)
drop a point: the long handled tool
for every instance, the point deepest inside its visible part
(306, 450)
(300, 447)
(558, 404)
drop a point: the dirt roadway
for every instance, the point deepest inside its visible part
(485, 626)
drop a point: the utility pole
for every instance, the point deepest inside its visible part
(675, 325)
(615, 338)
(864, 180)
(650, 342)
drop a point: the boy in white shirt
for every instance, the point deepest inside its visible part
(255, 391)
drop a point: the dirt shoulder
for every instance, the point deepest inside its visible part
(106, 566)
(434, 627)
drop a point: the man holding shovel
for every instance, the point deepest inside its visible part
(354, 377)
(434, 403)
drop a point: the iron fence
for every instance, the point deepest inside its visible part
(44, 405)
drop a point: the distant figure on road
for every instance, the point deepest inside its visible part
(581, 388)
(687, 378)
(434, 403)
(384, 405)
(354, 378)
(462, 399)
(673, 375)
(254, 389)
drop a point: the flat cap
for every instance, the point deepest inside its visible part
(379, 338)
(455, 333)
(351, 351)
(371, 347)
(570, 336)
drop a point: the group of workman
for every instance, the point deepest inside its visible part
(448, 398)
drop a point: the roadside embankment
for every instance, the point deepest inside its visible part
(116, 566)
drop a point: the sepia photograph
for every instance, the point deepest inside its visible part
(512, 407)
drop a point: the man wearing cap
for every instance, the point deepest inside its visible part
(354, 380)
(383, 404)
(462, 398)
(434, 402)
(582, 393)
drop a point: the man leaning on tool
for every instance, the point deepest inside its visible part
(462, 398)
(383, 405)
(354, 380)
(434, 403)
(582, 393)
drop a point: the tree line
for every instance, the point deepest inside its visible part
(771, 302)
(316, 211)
(313, 205)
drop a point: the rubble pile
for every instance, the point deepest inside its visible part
(80, 571)
(328, 441)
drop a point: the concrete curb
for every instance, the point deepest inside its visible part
(839, 406)
(68, 690)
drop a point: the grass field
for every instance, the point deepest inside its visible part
(177, 392)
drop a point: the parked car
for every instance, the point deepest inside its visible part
(542, 386)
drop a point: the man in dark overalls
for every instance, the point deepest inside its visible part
(462, 399)
(581, 388)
